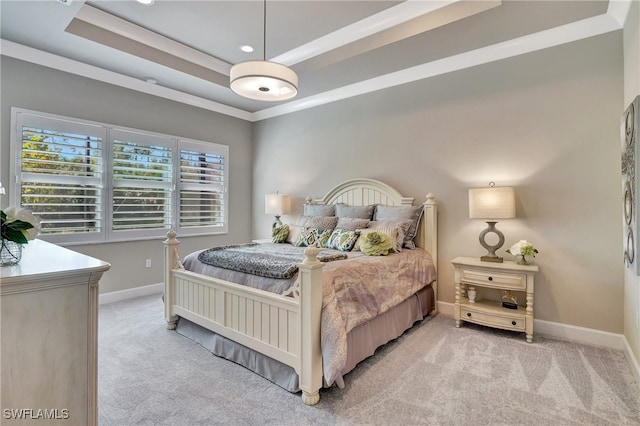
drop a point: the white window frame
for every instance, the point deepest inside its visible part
(108, 133)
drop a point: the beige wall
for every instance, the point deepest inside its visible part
(631, 90)
(546, 123)
(42, 89)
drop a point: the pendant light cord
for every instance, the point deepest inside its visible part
(264, 30)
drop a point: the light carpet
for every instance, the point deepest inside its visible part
(434, 374)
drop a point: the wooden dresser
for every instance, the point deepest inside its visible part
(49, 337)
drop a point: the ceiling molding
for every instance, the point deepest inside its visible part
(379, 22)
(128, 30)
(39, 57)
(619, 10)
(613, 20)
(568, 33)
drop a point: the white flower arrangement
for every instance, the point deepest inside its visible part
(523, 248)
(18, 225)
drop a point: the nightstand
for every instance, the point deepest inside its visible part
(471, 272)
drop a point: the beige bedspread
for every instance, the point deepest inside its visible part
(369, 286)
(355, 290)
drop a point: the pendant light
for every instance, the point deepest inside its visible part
(263, 80)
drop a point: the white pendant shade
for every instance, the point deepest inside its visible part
(263, 81)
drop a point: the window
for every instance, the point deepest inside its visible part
(202, 182)
(91, 182)
(142, 177)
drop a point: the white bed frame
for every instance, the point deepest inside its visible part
(284, 328)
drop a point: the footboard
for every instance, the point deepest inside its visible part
(285, 328)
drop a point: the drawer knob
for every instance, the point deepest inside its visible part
(513, 323)
(468, 314)
(490, 278)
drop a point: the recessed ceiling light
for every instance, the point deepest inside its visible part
(151, 80)
(146, 2)
(246, 48)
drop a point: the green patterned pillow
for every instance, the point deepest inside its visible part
(342, 240)
(279, 234)
(312, 237)
(376, 244)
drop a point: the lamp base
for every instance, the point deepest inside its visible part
(491, 256)
(276, 222)
(495, 259)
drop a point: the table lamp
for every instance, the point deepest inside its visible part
(277, 204)
(492, 203)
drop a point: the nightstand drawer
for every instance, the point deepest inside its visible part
(495, 279)
(516, 322)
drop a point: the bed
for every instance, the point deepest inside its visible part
(290, 329)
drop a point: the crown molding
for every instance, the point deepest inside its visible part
(49, 60)
(388, 18)
(568, 33)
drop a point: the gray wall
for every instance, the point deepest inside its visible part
(546, 123)
(43, 89)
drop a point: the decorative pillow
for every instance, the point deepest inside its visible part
(391, 231)
(376, 244)
(279, 234)
(319, 210)
(294, 233)
(302, 220)
(342, 240)
(313, 237)
(322, 222)
(351, 223)
(412, 213)
(361, 212)
(402, 225)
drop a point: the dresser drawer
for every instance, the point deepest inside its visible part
(506, 321)
(495, 279)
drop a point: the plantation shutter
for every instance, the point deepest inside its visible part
(60, 174)
(202, 180)
(92, 182)
(142, 173)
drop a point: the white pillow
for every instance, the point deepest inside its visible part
(294, 233)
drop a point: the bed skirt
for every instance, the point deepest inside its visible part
(362, 341)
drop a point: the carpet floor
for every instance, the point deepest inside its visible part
(434, 374)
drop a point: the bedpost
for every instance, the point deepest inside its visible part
(310, 371)
(430, 238)
(171, 261)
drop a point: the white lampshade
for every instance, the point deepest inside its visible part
(277, 204)
(263, 81)
(492, 203)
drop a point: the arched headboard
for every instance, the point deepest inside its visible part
(364, 192)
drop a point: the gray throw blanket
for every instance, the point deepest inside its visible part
(265, 260)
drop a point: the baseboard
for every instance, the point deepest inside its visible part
(576, 334)
(633, 362)
(445, 308)
(130, 293)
